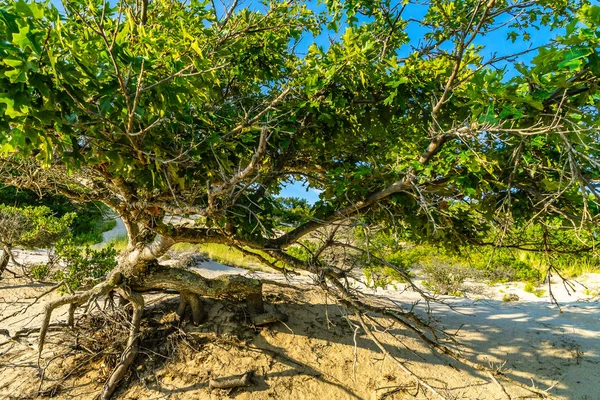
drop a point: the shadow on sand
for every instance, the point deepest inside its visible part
(537, 342)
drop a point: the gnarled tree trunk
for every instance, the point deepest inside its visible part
(139, 271)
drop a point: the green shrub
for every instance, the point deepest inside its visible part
(30, 228)
(524, 272)
(94, 235)
(36, 227)
(83, 266)
(108, 224)
(484, 263)
(40, 271)
(444, 278)
(86, 227)
(501, 266)
(531, 287)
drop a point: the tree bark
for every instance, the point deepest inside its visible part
(189, 283)
(4, 259)
(193, 300)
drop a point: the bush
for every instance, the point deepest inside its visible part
(30, 227)
(40, 271)
(88, 222)
(36, 227)
(83, 266)
(505, 267)
(444, 278)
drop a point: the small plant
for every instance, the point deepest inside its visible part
(83, 266)
(39, 271)
(531, 287)
(376, 277)
(510, 297)
(444, 278)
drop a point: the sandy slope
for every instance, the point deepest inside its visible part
(318, 354)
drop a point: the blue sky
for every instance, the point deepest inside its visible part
(301, 190)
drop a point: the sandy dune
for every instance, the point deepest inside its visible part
(313, 356)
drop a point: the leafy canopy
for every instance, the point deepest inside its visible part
(178, 108)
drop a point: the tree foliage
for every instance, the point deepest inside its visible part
(194, 112)
(88, 224)
(165, 108)
(31, 228)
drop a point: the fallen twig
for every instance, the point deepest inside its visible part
(231, 381)
(403, 367)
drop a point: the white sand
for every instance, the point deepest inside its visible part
(536, 340)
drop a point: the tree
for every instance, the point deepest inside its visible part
(29, 227)
(88, 224)
(168, 108)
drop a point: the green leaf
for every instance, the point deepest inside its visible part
(31, 10)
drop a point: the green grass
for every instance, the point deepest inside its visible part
(223, 254)
(578, 266)
(119, 243)
(229, 256)
(487, 265)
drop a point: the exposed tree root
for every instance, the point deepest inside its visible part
(71, 320)
(192, 286)
(188, 282)
(231, 382)
(193, 300)
(137, 301)
(269, 318)
(182, 306)
(4, 258)
(75, 300)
